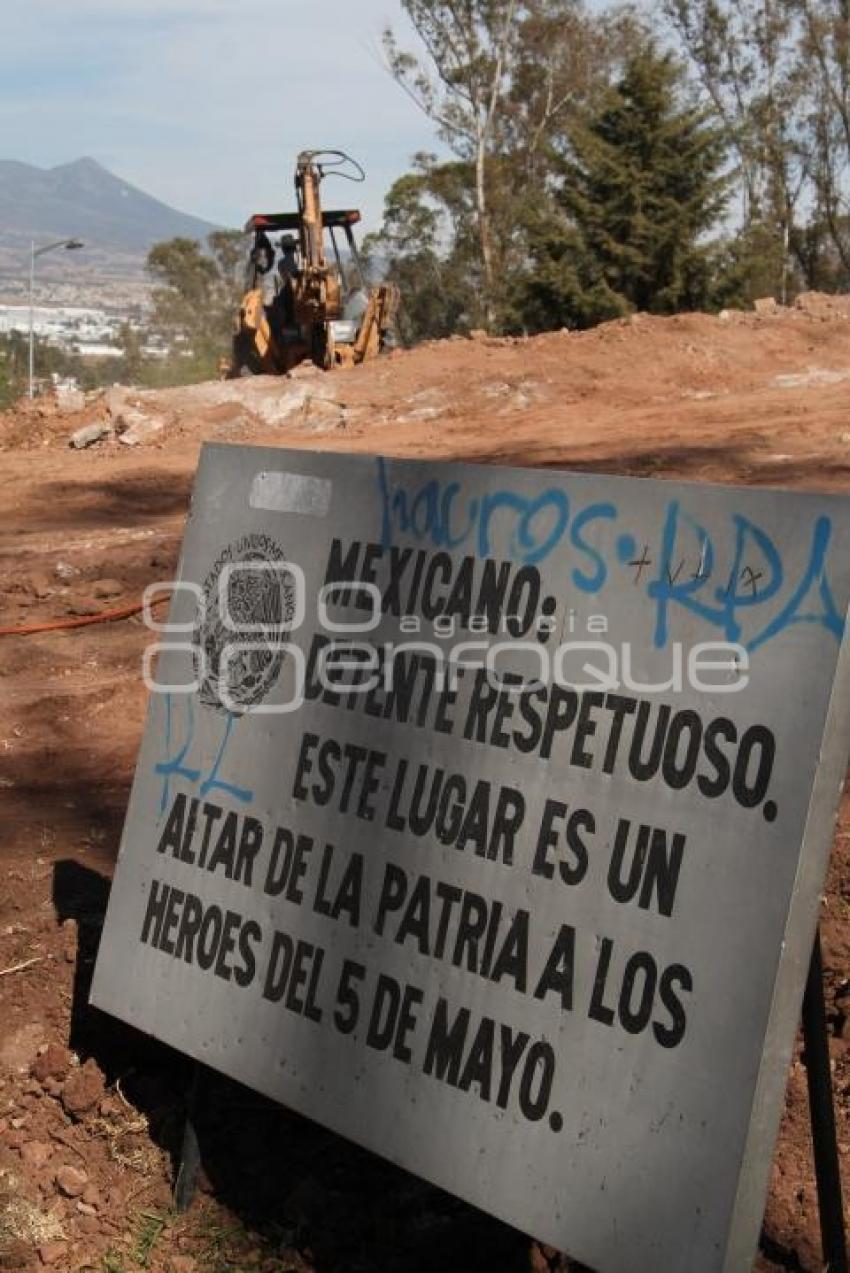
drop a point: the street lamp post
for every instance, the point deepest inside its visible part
(70, 245)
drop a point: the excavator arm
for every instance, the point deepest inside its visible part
(314, 294)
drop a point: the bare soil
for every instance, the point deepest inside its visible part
(91, 1113)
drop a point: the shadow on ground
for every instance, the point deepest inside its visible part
(748, 461)
(138, 499)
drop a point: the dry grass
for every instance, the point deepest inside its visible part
(20, 1219)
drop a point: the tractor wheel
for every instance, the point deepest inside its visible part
(321, 346)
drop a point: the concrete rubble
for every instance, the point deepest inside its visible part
(89, 434)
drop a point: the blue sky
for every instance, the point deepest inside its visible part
(205, 103)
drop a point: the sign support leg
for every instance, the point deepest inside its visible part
(822, 1114)
(190, 1153)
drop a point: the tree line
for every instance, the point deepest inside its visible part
(602, 162)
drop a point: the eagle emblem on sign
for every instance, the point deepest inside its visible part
(243, 620)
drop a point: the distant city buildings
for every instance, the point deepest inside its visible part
(76, 329)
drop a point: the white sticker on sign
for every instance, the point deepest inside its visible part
(277, 492)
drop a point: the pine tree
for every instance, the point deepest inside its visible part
(641, 190)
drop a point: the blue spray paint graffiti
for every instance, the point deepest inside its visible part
(755, 589)
(173, 765)
(722, 606)
(535, 525)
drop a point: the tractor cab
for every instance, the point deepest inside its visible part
(306, 293)
(276, 261)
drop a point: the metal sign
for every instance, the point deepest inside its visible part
(482, 815)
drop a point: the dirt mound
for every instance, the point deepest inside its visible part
(90, 1116)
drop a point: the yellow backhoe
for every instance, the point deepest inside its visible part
(298, 303)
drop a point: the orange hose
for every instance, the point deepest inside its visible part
(105, 616)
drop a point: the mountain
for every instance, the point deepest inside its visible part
(117, 222)
(85, 200)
